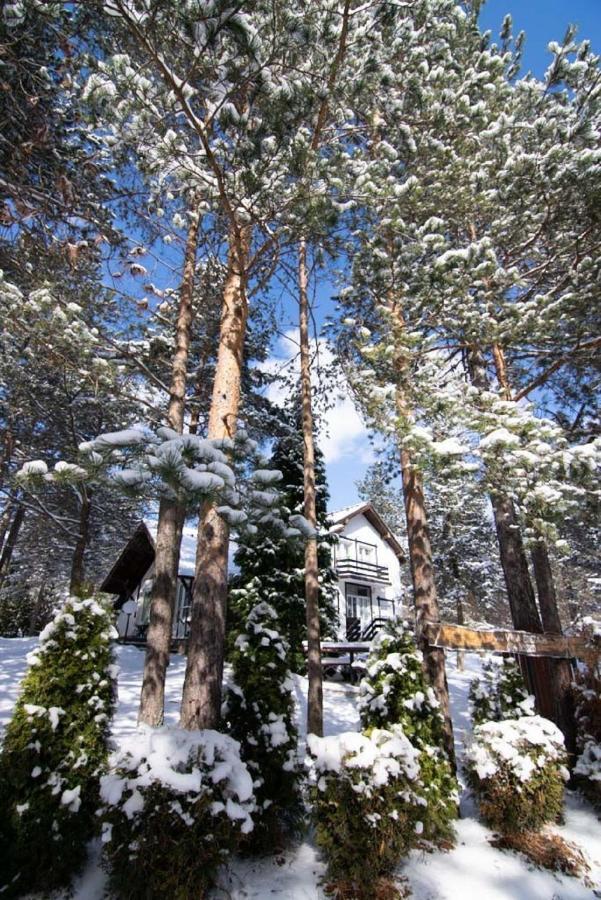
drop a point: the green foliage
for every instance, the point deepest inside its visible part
(367, 804)
(517, 769)
(587, 771)
(500, 693)
(394, 691)
(259, 709)
(278, 563)
(55, 748)
(177, 803)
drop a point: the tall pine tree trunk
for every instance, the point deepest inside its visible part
(420, 553)
(560, 705)
(560, 669)
(171, 515)
(11, 541)
(520, 592)
(424, 588)
(314, 670)
(201, 700)
(78, 572)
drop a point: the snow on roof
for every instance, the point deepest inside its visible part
(346, 512)
(366, 508)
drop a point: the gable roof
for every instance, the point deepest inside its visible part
(132, 563)
(341, 516)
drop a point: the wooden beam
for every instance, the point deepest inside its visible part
(456, 637)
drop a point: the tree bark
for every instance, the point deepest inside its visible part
(559, 700)
(520, 592)
(424, 589)
(314, 670)
(560, 669)
(420, 553)
(11, 541)
(78, 572)
(201, 699)
(171, 515)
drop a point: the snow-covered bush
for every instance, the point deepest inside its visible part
(517, 768)
(499, 693)
(176, 804)
(394, 691)
(587, 771)
(368, 805)
(55, 747)
(259, 710)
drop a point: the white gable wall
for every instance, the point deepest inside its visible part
(360, 529)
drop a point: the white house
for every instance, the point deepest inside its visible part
(366, 557)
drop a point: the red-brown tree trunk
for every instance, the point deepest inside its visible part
(77, 584)
(11, 541)
(201, 700)
(520, 592)
(171, 515)
(560, 669)
(314, 670)
(424, 589)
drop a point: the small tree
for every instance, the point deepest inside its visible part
(500, 693)
(368, 807)
(587, 770)
(176, 804)
(55, 748)
(517, 768)
(279, 563)
(394, 691)
(259, 707)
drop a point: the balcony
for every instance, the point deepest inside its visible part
(360, 570)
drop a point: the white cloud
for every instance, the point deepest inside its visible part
(344, 435)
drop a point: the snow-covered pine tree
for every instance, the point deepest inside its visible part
(55, 748)
(277, 563)
(394, 691)
(259, 712)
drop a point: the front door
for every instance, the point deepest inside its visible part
(358, 607)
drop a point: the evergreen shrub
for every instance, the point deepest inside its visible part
(368, 807)
(587, 771)
(259, 711)
(55, 748)
(499, 693)
(517, 768)
(394, 691)
(176, 804)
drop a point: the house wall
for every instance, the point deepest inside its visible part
(360, 529)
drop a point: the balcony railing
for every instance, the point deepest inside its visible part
(365, 571)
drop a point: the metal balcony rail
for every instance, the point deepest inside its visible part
(360, 569)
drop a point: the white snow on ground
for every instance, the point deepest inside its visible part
(472, 869)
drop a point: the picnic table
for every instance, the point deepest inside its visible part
(342, 655)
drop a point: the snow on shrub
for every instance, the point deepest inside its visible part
(499, 693)
(54, 749)
(394, 691)
(176, 804)
(587, 771)
(368, 804)
(259, 710)
(517, 768)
